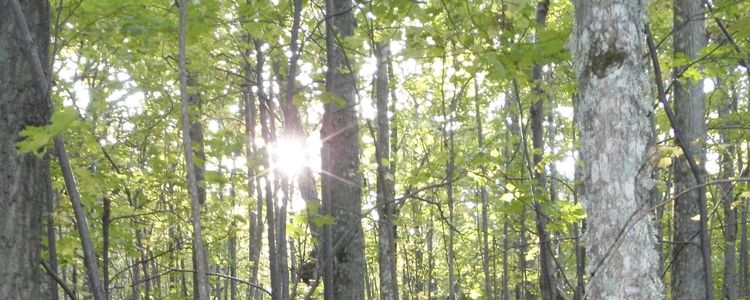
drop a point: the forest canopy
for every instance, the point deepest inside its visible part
(395, 149)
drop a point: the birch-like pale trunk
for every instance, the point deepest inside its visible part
(607, 46)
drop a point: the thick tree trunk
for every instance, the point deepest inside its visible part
(688, 276)
(22, 177)
(607, 45)
(340, 179)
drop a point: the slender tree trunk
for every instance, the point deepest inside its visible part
(744, 268)
(199, 250)
(430, 261)
(135, 292)
(270, 198)
(614, 108)
(340, 180)
(509, 128)
(51, 240)
(233, 261)
(448, 134)
(580, 227)
(385, 184)
(106, 211)
(729, 286)
(293, 124)
(688, 276)
(485, 202)
(282, 258)
(253, 181)
(546, 258)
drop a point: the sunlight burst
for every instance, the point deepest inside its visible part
(289, 156)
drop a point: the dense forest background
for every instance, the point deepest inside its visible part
(392, 149)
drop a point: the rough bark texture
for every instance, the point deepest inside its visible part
(22, 177)
(607, 45)
(688, 275)
(341, 180)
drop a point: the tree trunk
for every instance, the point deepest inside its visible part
(51, 241)
(614, 108)
(688, 276)
(233, 261)
(485, 202)
(743, 251)
(340, 178)
(546, 259)
(255, 218)
(22, 177)
(385, 184)
(579, 229)
(729, 286)
(106, 221)
(199, 250)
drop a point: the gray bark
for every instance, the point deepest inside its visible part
(340, 179)
(34, 64)
(607, 45)
(688, 276)
(22, 177)
(385, 184)
(199, 251)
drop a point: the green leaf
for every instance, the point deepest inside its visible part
(35, 138)
(299, 99)
(328, 97)
(324, 220)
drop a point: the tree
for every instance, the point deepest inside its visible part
(607, 44)
(386, 212)
(199, 250)
(23, 177)
(344, 241)
(546, 257)
(688, 276)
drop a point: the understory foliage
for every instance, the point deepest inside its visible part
(452, 66)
